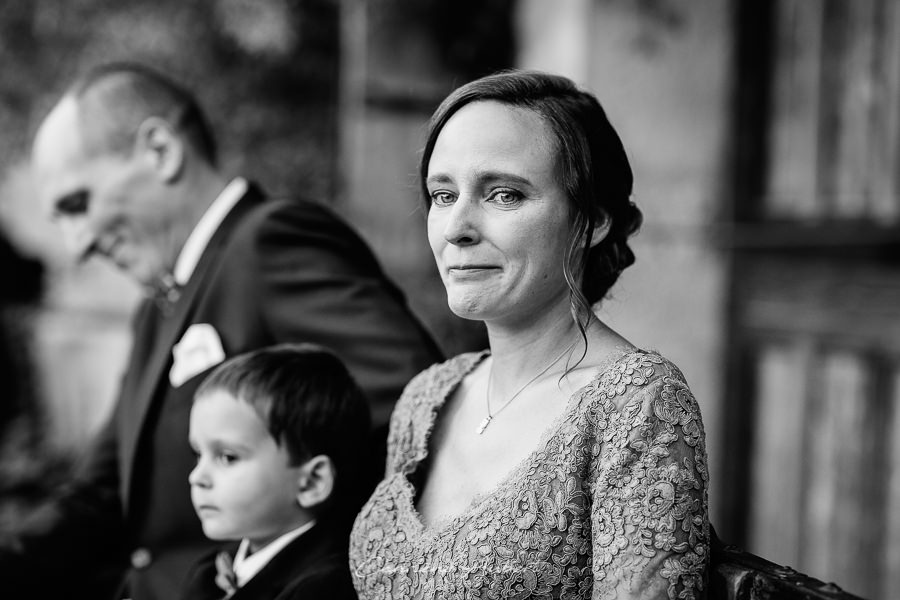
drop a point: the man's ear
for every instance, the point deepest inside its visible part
(159, 142)
(315, 481)
(601, 228)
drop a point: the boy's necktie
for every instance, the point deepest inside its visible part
(225, 577)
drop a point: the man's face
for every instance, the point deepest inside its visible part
(107, 205)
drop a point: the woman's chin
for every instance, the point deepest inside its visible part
(467, 308)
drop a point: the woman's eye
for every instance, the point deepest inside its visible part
(505, 197)
(442, 198)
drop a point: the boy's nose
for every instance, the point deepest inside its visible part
(197, 476)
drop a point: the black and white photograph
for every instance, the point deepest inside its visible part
(433, 300)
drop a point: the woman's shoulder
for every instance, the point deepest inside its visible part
(633, 374)
(642, 392)
(638, 367)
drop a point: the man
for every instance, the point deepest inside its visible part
(126, 165)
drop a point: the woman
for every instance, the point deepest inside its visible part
(564, 462)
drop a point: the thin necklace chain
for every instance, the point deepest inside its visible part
(487, 394)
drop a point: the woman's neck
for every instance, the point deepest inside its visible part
(520, 351)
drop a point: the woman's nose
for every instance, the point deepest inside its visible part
(462, 227)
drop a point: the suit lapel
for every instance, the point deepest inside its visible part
(298, 557)
(170, 328)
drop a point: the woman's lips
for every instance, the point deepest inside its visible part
(471, 271)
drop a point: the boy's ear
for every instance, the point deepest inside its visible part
(315, 481)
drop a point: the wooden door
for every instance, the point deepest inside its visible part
(813, 456)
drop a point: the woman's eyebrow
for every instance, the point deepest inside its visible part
(482, 177)
(495, 176)
(438, 178)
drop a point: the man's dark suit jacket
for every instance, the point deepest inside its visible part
(312, 567)
(274, 271)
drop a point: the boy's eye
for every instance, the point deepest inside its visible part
(226, 458)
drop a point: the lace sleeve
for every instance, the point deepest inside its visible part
(649, 515)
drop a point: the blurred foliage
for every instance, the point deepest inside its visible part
(265, 70)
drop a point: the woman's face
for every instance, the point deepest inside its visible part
(499, 222)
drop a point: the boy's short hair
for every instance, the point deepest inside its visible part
(309, 402)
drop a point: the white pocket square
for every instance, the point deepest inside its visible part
(199, 349)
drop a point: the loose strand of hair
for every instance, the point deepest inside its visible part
(579, 306)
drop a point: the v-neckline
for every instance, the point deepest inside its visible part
(437, 527)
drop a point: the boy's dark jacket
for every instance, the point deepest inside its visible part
(313, 566)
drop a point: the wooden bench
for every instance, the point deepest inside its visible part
(736, 574)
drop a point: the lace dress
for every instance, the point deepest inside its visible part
(611, 504)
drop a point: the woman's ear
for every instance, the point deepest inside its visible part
(162, 146)
(315, 481)
(601, 228)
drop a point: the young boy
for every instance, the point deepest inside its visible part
(278, 434)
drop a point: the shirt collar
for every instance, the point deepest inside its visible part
(245, 567)
(196, 243)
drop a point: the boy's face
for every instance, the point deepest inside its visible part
(243, 484)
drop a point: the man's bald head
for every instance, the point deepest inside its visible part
(114, 100)
(124, 163)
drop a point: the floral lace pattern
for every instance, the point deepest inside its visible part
(613, 504)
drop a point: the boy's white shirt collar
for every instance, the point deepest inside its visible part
(196, 243)
(245, 567)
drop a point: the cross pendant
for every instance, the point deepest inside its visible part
(483, 425)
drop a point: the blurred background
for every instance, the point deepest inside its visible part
(765, 140)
